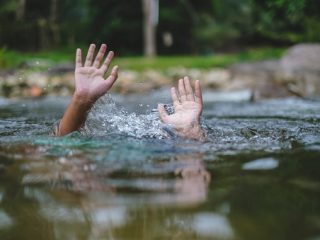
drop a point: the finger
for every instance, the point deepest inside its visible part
(78, 58)
(163, 113)
(198, 92)
(189, 90)
(89, 57)
(182, 91)
(112, 78)
(107, 61)
(175, 99)
(100, 55)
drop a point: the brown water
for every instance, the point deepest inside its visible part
(257, 177)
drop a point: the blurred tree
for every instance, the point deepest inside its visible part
(54, 25)
(35, 24)
(21, 9)
(223, 24)
(287, 21)
(175, 23)
(74, 18)
(150, 12)
(118, 23)
(185, 26)
(232, 24)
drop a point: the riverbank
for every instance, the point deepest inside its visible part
(261, 72)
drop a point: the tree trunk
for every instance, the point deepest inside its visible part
(21, 10)
(149, 28)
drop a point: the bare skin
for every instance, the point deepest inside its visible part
(90, 85)
(187, 110)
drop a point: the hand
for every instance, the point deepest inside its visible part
(187, 110)
(90, 85)
(89, 79)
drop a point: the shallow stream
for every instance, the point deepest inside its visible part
(125, 177)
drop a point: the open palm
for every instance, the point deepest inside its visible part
(187, 109)
(89, 78)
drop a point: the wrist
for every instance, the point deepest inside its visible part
(191, 131)
(82, 101)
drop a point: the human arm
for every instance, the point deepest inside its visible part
(90, 85)
(187, 104)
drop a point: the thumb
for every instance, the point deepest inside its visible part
(163, 113)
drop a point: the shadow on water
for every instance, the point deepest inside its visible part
(124, 177)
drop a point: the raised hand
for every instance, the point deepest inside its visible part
(187, 110)
(89, 78)
(90, 85)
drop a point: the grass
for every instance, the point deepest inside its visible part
(11, 59)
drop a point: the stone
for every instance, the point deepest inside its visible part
(302, 57)
(297, 73)
(126, 79)
(260, 78)
(37, 78)
(216, 78)
(157, 78)
(299, 70)
(61, 68)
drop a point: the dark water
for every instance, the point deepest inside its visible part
(257, 177)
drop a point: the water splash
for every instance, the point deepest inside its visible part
(106, 117)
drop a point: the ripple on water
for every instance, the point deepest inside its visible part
(122, 165)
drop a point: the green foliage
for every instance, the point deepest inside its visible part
(3, 63)
(290, 21)
(117, 22)
(203, 27)
(13, 59)
(224, 23)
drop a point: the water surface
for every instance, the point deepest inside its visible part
(125, 177)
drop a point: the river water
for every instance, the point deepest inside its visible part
(126, 176)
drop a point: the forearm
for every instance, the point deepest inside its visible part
(75, 115)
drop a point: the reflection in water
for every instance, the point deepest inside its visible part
(98, 198)
(125, 180)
